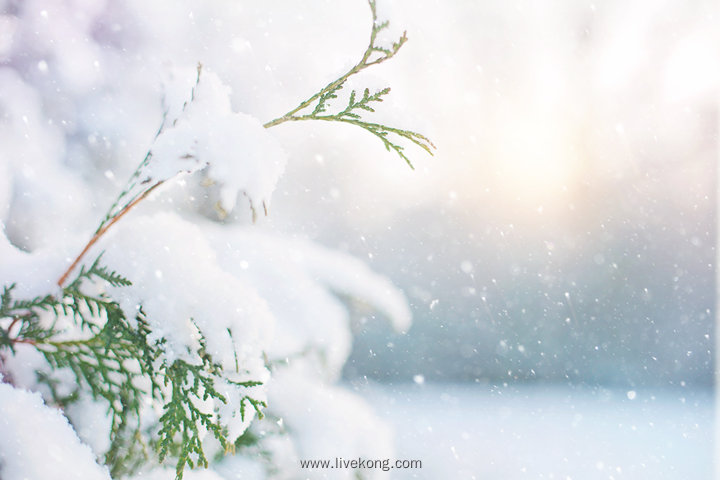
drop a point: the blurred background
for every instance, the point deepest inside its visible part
(559, 248)
(565, 229)
(557, 251)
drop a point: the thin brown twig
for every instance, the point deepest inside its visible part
(104, 229)
(12, 324)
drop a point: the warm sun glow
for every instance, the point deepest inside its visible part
(534, 158)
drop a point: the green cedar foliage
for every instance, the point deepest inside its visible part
(115, 364)
(353, 112)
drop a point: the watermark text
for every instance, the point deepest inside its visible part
(360, 464)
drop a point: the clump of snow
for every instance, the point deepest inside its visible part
(33, 273)
(90, 420)
(32, 148)
(328, 421)
(301, 282)
(19, 369)
(38, 442)
(350, 276)
(238, 467)
(175, 286)
(239, 153)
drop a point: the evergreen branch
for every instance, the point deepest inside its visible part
(30, 331)
(381, 131)
(113, 363)
(43, 303)
(180, 424)
(25, 324)
(109, 365)
(373, 55)
(329, 95)
(363, 103)
(10, 307)
(364, 63)
(6, 299)
(102, 272)
(246, 384)
(256, 404)
(181, 421)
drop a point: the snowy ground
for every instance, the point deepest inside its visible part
(538, 432)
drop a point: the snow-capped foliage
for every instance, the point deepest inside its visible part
(158, 339)
(180, 298)
(240, 155)
(301, 282)
(192, 301)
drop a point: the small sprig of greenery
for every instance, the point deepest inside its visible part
(352, 113)
(116, 364)
(182, 419)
